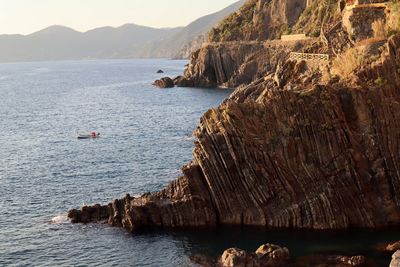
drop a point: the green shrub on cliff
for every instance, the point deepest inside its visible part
(316, 15)
(393, 21)
(234, 26)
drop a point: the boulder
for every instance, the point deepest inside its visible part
(325, 143)
(234, 257)
(395, 259)
(160, 71)
(270, 254)
(165, 82)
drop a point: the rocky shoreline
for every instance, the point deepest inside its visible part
(328, 162)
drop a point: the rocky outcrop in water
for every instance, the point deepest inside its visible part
(165, 82)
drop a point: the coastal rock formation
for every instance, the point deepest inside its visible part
(294, 149)
(165, 82)
(235, 63)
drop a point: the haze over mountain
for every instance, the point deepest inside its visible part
(127, 41)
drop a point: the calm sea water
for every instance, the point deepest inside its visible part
(146, 138)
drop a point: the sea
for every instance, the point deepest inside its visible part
(146, 137)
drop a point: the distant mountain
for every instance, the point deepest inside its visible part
(190, 37)
(58, 43)
(127, 41)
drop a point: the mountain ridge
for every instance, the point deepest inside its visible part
(130, 40)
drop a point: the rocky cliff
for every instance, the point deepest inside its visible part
(310, 141)
(231, 64)
(246, 45)
(294, 149)
(268, 19)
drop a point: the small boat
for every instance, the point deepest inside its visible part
(91, 135)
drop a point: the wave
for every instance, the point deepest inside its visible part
(60, 219)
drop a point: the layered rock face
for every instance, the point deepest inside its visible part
(233, 64)
(293, 149)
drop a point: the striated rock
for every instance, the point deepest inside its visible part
(96, 213)
(304, 154)
(236, 63)
(395, 259)
(165, 82)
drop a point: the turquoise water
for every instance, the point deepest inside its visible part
(146, 138)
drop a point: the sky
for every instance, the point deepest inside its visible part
(27, 16)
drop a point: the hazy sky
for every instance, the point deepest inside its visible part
(27, 16)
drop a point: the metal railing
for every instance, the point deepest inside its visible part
(309, 57)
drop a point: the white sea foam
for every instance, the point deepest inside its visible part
(60, 219)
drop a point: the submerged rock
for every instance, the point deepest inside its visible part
(334, 261)
(165, 82)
